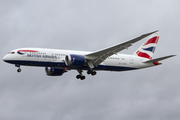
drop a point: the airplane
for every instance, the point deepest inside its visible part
(57, 61)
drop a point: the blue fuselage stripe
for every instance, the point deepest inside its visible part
(62, 64)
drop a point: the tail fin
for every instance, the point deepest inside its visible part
(147, 49)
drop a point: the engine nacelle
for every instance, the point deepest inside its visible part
(74, 60)
(50, 71)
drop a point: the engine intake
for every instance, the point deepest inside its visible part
(50, 71)
(74, 60)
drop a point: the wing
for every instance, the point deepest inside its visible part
(95, 58)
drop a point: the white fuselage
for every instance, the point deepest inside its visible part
(56, 58)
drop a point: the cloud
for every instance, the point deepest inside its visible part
(150, 93)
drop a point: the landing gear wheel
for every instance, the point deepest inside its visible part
(78, 76)
(83, 77)
(18, 70)
(88, 72)
(93, 73)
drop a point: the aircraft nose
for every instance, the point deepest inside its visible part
(5, 58)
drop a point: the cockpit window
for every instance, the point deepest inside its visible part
(11, 53)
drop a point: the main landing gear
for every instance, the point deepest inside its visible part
(82, 77)
(19, 69)
(91, 72)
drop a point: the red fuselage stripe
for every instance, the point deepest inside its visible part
(27, 51)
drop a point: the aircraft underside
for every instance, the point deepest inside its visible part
(63, 65)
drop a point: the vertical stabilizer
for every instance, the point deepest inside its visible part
(146, 50)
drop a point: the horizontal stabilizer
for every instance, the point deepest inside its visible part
(159, 59)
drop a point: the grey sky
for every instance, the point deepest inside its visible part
(151, 93)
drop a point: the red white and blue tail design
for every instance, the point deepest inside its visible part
(147, 49)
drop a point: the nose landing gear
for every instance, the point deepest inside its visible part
(19, 69)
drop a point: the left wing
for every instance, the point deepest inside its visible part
(94, 59)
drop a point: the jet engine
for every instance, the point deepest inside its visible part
(74, 60)
(50, 71)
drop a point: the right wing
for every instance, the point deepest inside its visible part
(94, 59)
